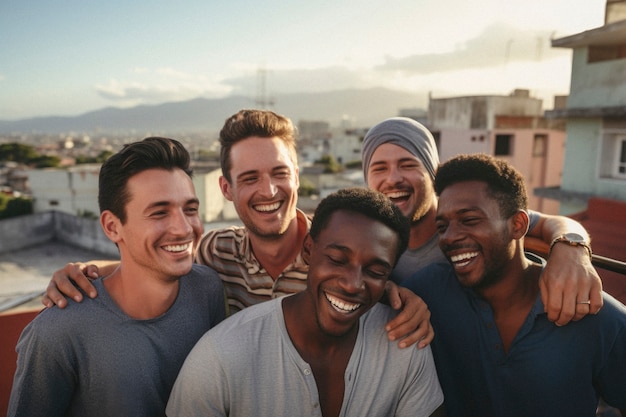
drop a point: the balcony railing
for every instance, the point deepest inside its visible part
(540, 248)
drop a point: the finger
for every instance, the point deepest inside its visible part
(393, 295)
(420, 337)
(427, 340)
(595, 296)
(394, 299)
(407, 323)
(53, 296)
(553, 301)
(582, 309)
(92, 271)
(568, 310)
(82, 282)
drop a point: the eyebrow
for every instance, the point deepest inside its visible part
(342, 248)
(256, 171)
(164, 203)
(405, 159)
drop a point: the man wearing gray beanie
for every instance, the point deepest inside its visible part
(400, 160)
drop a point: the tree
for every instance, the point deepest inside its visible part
(17, 152)
(13, 207)
(331, 166)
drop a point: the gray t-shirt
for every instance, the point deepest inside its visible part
(248, 366)
(91, 359)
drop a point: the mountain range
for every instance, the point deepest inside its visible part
(363, 107)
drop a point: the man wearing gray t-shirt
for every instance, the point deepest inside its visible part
(322, 351)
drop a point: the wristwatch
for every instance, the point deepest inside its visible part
(572, 239)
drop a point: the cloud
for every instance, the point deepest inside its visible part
(300, 80)
(497, 45)
(149, 86)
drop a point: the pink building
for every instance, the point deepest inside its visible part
(510, 127)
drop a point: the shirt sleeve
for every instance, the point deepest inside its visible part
(421, 393)
(201, 388)
(45, 378)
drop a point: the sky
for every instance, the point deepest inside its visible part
(68, 57)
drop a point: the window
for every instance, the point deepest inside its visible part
(599, 53)
(539, 145)
(613, 155)
(620, 157)
(504, 145)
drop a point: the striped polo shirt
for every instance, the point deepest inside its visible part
(246, 282)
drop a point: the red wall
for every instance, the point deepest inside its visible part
(11, 326)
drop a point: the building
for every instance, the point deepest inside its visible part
(74, 191)
(595, 155)
(593, 188)
(510, 127)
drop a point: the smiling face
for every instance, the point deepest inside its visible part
(162, 227)
(401, 176)
(473, 235)
(264, 186)
(350, 262)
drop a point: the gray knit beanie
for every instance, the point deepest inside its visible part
(406, 133)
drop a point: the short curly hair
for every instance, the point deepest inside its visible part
(370, 203)
(504, 183)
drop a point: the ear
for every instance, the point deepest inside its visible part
(225, 188)
(111, 225)
(307, 248)
(519, 224)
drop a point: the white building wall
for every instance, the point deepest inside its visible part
(598, 84)
(73, 190)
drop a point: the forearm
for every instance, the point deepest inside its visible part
(549, 227)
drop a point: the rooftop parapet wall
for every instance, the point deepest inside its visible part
(25, 231)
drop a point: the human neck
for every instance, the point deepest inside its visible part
(512, 299)
(305, 333)
(138, 296)
(423, 229)
(277, 253)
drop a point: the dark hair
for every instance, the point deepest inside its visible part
(504, 183)
(152, 152)
(249, 122)
(370, 203)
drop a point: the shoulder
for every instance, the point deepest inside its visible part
(53, 323)
(224, 232)
(251, 320)
(304, 220)
(612, 310)
(434, 274)
(219, 243)
(203, 273)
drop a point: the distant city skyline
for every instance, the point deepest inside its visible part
(70, 57)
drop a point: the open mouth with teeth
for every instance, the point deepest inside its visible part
(398, 196)
(267, 208)
(177, 248)
(463, 259)
(341, 305)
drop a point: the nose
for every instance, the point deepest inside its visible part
(451, 233)
(352, 281)
(267, 187)
(393, 175)
(181, 223)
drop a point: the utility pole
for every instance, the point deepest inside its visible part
(262, 100)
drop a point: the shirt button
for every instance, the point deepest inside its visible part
(307, 371)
